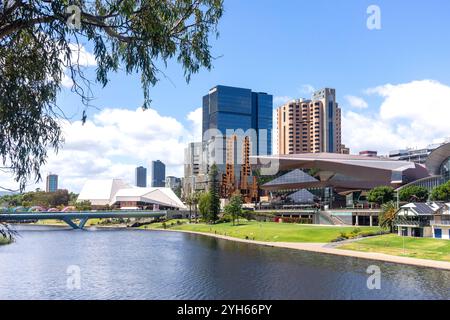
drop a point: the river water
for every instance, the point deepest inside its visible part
(57, 263)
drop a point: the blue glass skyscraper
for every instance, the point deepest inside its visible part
(51, 183)
(230, 108)
(158, 174)
(141, 177)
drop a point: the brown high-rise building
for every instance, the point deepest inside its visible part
(310, 126)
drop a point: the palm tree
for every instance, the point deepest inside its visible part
(387, 216)
(6, 232)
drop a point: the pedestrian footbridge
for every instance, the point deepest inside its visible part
(77, 220)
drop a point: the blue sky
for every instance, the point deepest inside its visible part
(279, 46)
(392, 83)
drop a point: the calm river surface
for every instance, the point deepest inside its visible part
(132, 264)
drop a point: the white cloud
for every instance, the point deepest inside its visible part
(307, 89)
(412, 114)
(280, 100)
(79, 56)
(196, 118)
(112, 143)
(356, 102)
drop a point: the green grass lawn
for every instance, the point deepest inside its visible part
(422, 248)
(169, 224)
(270, 231)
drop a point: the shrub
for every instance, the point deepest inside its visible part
(225, 218)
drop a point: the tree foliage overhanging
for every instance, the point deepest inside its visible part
(37, 51)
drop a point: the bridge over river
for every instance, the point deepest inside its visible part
(82, 217)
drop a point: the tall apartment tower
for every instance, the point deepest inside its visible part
(51, 183)
(141, 177)
(310, 126)
(158, 174)
(332, 120)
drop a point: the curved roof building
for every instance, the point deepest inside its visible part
(438, 166)
(345, 172)
(113, 191)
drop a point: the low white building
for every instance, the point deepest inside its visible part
(116, 192)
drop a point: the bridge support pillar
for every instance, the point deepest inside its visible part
(83, 223)
(74, 225)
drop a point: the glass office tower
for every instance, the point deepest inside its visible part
(230, 108)
(51, 183)
(141, 177)
(158, 174)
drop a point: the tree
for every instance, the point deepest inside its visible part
(195, 200)
(204, 205)
(234, 207)
(380, 195)
(387, 216)
(214, 208)
(441, 193)
(6, 233)
(414, 193)
(45, 36)
(83, 205)
(189, 202)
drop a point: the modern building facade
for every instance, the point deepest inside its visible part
(158, 174)
(173, 182)
(51, 183)
(141, 177)
(347, 172)
(438, 166)
(231, 111)
(117, 193)
(414, 155)
(237, 123)
(195, 168)
(310, 126)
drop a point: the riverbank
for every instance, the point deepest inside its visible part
(421, 248)
(293, 236)
(272, 231)
(323, 248)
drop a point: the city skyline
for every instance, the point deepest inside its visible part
(381, 89)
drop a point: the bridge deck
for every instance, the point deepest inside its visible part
(68, 217)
